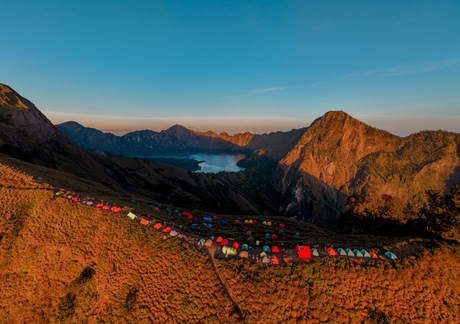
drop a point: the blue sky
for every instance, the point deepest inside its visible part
(235, 65)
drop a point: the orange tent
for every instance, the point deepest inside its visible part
(219, 239)
(373, 255)
(331, 251)
(274, 259)
(144, 222)
(157, 226)
(275, 249)
(114, 209)
(167, 230)
(106, 208)
(224, 242)
(236, 245)
(99, 205)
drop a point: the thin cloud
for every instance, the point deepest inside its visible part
(268, 90)
(406, 69)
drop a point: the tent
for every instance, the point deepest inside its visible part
(330, 251)
(115, 209)
(221, 221)
(176, 211)
(244, 247)
(274, 236)
(250, 238)
(266, 248)
(297, 235)
(209, 219)
(365, 254)
(237, 221)
(249, 221)
(275, 249)
(390, 255)
(167, 229)
(201, 241)
(144, 222)
(341, 251)
(282, 225)
(274, 259)
(214, 217)
(99, 205)
(152, 206)
(89, 203)
(209, 225)
(358, 253)
(265, 260)
(264, 222)
(168, 210)
(269, 223)
(193, 226)
(236, 245)
(284, 238)
(281, 232)
(243, 254)
(373, 255)
(156, 208)
(224, 242)
(105, 208)
(228, 250)
(263, 254)
(267, 236)
(208, 243)
(303, 251)
(219, 239)
(75, 199)
(178, 214)
(254, 221)
(131, 215)
(314, 252)
(157, 226)
(189, 216)
(349, 252)
(245, 228)
(173, 233)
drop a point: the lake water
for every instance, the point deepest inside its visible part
(215, 163)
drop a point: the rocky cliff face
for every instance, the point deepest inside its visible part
(339, 156)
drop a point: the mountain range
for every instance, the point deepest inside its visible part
(306, 173)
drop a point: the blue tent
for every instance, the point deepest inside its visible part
(244, 247)
(167, 209)
(365, 254)
(314, 252)
(209, 219)
(209, 225)
(358, 253)
(268, 236)
(281, 232)
(175, 211)
(341, 251)
(349, 252)
(178, 214)
(297, 235)
(205, 224)
(152, 206)
(266, 248)
(193, 226)
(221, 221)
(390, 255)
(201, 242)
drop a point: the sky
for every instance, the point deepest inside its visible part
(235, 66)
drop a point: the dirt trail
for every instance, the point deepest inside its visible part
(212, 251)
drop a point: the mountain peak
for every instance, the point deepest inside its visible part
(11, 98)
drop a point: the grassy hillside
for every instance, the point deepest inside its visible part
(65, 262)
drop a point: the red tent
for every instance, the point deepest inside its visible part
(148, 216)
(156, 208)
(115, 209)
(99, 205)
(106, 208)
(224, 242)
(275, 249)
(303, 251)
(254, 221)
(245, 228)
(274, 236)
(331, 251)
(75, 199)
(189, 216)
(282, 225)
(214, 217)
(284, 238)
(219, 239)
(237, 221)
(157, 226)
(236, 245)
(184, 213)
(167, 230)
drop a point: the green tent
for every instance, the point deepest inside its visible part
(131, 215)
